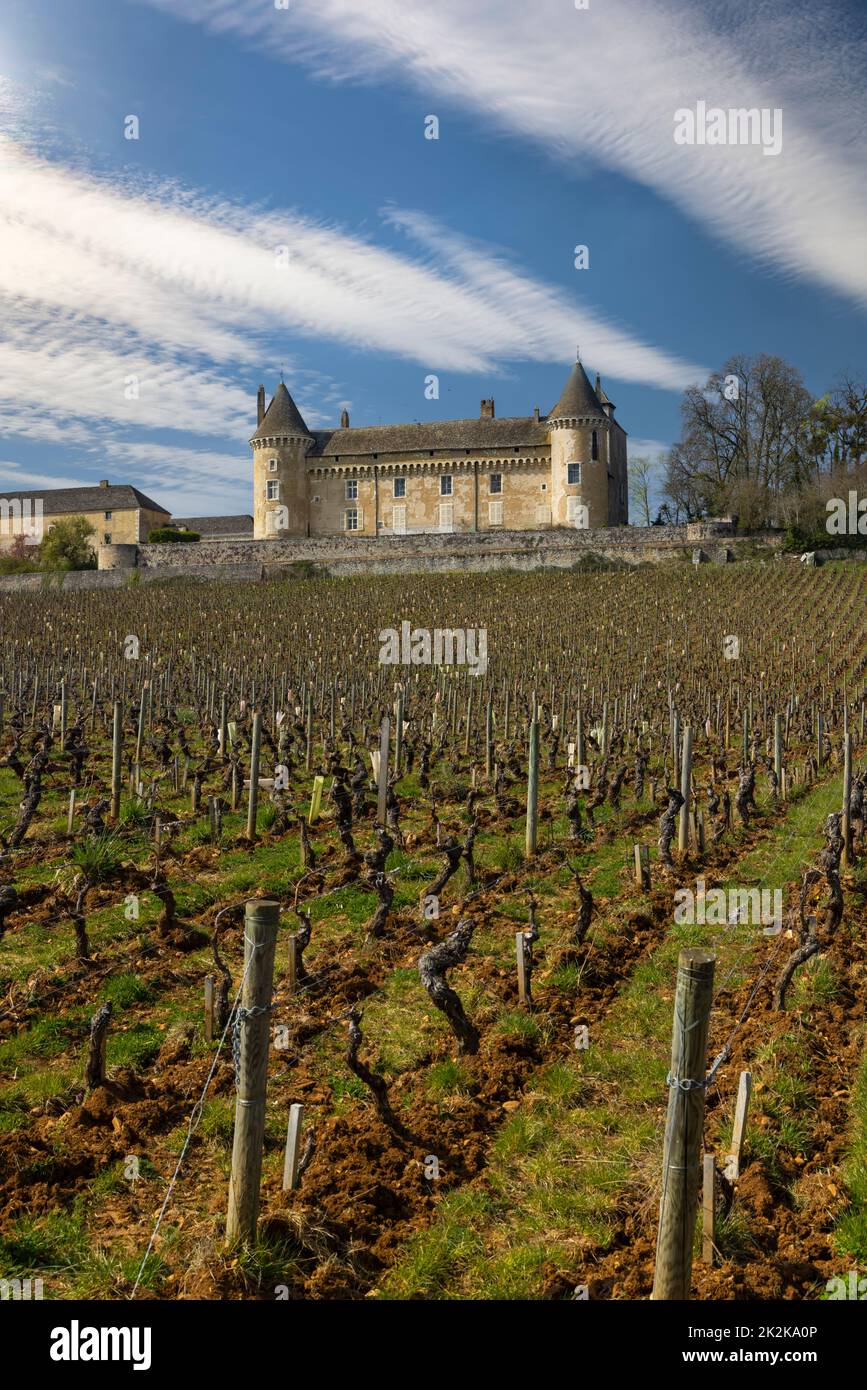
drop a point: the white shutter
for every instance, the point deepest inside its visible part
(360, 511)
(495, 513)
(447, 516)
(543, 514)
(398, 520)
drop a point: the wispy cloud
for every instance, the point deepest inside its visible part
(603, 83)
(103, 282)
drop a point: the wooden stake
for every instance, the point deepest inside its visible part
(681, 1166)
(707, 1205)
(70, 815)
(209, 1008)
(733, 1160)
(685, 789)
(261, 919)
(532, 791)
(293, 1144)
(382, 790)
(253, 803)
(848, 856)
(523, 990)
(116, 747)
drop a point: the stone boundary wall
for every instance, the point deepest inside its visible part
(74, 581)
(555, 548)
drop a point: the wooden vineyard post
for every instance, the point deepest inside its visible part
(63, 710)
(468, 723)
(70, 815)
(224, 728)
(209, 1008)
(685, 789)
(308, 751)
(293, 1144)
(116, 748)
(261, 919)
(532, 791)
(778, 747)
(382, 788)
(489, 740)
(732, 1168)
(523, 990)
(292, 966)
(681, 1165)
(745, 740)
(820, 739)
(253, 803)
(140, 732)
(398, 732)
(708, 1192)
(848, 857)
(641, 854)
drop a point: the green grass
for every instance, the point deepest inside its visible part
(558, 1167)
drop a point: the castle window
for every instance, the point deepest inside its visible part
(351, 489)
(594, 446)
(496, 482)
(106, 538)
(400, 487)
(446, 485)
(573, 474)
(272, 465)
(352, 519)
(272, 490)
(106, 516)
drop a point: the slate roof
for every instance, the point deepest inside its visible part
(281, 417)
(577, 398)
(456, 436)
(212, 527)
(64, 500)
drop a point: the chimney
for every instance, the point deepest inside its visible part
(103, 482)
(487, 411)
(535, 415)
(344, 419)
(260, 405)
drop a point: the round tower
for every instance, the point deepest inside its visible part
(280, 447)
(580, 450)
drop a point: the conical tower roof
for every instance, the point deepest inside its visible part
(577, 399)
(282, 417)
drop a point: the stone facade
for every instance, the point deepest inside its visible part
(488, 475)
(118, 514)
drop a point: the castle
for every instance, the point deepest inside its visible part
(567, 468)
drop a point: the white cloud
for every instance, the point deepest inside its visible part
(604, 83)
(105, 281)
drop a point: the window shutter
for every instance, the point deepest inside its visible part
(495, 513)
(447, 516)
(543, 515)
(398, 520)
(360, 511)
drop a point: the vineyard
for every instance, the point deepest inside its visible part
(436, 925)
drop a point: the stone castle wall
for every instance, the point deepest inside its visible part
(553, 548)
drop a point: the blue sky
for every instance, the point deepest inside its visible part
(143, 298)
